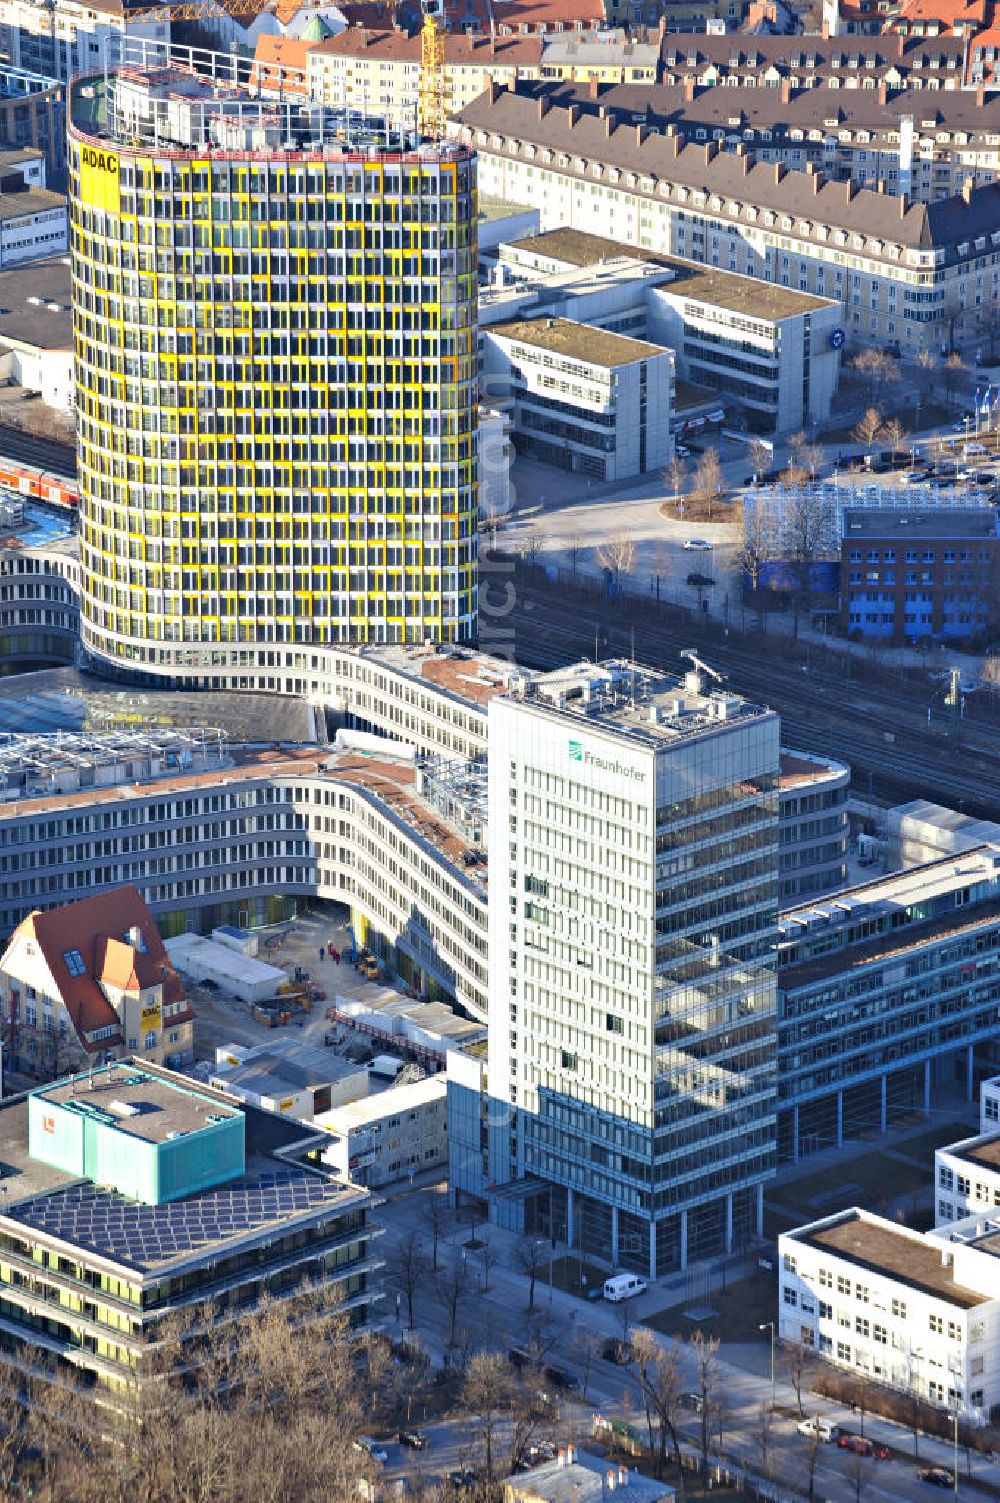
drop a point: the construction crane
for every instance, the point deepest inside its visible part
(699, 666)
(432, 107)
(192, 10)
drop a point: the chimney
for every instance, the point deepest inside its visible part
(622, 1475)
(610, 121)
(814, 172)
(880, 185)
(470, 40)
(688, 89)
(570, 1455)
(641, 132)
(968, 184)
(711, 152)
(744, 156)
(904, 204)
(543, 106)
(848, 191)
(492, 91)
(786, 91)
(572, 115)
(611, 1480)
(883, 93)
(980, 97)
(661, 30)
(779, 172)
(593, 87)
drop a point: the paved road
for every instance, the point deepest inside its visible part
(500, 1318)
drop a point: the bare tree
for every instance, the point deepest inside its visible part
(757, 539)
(709, 481)
(408, 1267)
(617, 555)
(675, 475)
(529, 1257)
(437, 1219)
(806, 532)
(586, 1345)
(705, 1351)
(867, 429)
(453, 1293)
(542, 1336)
(927, 372)
(760, 457)
(488, 1391)
(487, 1259)
(797, 1362)
(661, 1388)
(574, 547)
(877, 369)
(762, 1436)
(954, 370)
(895, 435)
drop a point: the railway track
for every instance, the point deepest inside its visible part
(883, 735)
(43, 453)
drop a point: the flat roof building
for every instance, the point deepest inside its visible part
(886, 993)
(391, 1136)
(289, 1077)
(158, 1196)
(915, 1311)
(758, 343)
(584, 398)
(632, 997)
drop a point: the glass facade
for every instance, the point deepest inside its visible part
(276, 394)
(637, 1053)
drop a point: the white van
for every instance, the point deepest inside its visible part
(624, 1286)
(821, 1428)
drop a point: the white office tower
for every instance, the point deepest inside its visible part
(633, 903)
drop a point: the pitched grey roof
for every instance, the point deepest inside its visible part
(805, 196)
(660, 105)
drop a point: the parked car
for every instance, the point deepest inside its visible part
(519, 1358)
(697, 545)
(693, 1401)
(463, 1478)
(372, 1448)
(701, 581)
(561, 1377)
(862, 1445)
(618, 1352)
(937, 1476)
(815, 1425)
(415, 1439)
(623, 1286)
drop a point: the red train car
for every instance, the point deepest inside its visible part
(40, 485)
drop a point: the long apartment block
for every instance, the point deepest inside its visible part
(924, 142)
(907, 273)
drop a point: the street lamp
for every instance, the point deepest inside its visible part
(768, 1325)
(954, 1466)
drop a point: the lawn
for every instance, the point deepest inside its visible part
(860, 1181)
(574, 1276)
(739, 1311)
(922, 1145)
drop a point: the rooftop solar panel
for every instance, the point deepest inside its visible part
(144, 1237)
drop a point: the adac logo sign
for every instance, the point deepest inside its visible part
(579, 753)
(99, 179)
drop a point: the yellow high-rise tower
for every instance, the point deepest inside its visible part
(275, 320)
